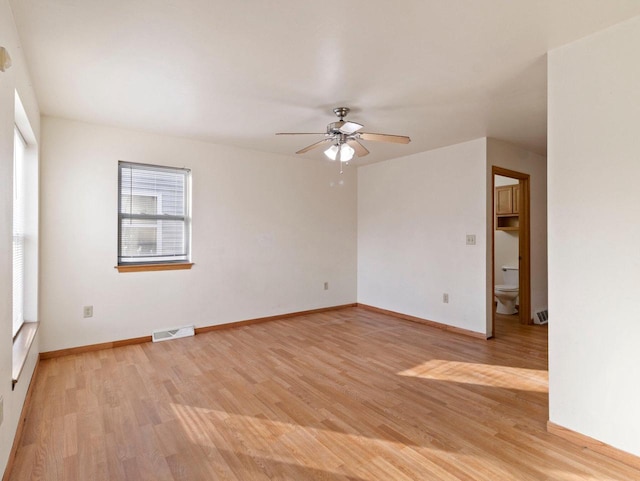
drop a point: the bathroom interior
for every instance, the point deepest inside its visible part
(506, 245)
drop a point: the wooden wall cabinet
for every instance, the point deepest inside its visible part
(507, 207)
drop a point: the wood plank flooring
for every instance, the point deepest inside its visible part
(343, 395)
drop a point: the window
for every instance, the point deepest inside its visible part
(19, 201)
(153, 215)
(25, 240)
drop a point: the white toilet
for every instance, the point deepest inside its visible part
(507, 293)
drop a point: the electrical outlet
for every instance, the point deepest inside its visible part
(326, 286)
(445, 298)
(471, 239)
(1, 409)
(88, 311)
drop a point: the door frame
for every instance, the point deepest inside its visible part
(524, 244)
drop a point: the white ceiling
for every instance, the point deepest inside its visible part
(236, 72)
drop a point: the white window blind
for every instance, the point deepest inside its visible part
(153, 216)
(19, 201)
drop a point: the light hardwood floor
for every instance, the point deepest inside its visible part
(343, 395)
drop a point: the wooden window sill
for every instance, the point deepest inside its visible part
(21, 345)
(155, 267)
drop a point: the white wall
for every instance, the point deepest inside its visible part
(16, 78)
(268, 231)
(505, 241)
(413, 216)
(509, 156)
(594, 227)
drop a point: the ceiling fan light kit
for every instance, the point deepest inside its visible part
(344, 138)
(342, 152)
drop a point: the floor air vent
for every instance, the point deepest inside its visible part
(167, 334)
(542, 317)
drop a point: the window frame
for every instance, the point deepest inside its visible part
(18, 210)
(182, 261)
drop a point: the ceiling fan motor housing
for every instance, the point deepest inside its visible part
(334, 127)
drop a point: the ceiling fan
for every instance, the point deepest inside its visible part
(343, 138)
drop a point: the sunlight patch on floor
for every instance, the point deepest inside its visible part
(204, 425)
(481, 374)
(318, 449)
(267, 446)
(284, 443)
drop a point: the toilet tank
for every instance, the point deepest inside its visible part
(510, 275)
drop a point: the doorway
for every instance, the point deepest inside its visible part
(511, 214)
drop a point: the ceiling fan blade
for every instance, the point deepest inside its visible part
(398, 139)
(350, 127)
(313, 146)
(301, 133)
(360, 149)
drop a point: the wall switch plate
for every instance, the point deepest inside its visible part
(326, 286)
(471, 239)
(445, 298)
(87, 311)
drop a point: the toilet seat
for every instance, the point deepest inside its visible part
(506, 288)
